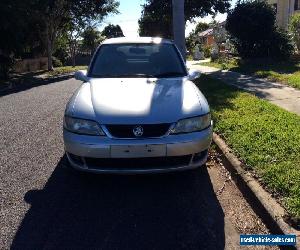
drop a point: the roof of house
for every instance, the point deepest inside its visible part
(205, 33)
(209, 31)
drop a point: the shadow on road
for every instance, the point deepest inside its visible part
(31, 82)
(75, 210)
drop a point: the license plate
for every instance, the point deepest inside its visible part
(138, 151)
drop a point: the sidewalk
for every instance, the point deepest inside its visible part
(282, 95)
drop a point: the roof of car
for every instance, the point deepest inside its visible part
(136, 40)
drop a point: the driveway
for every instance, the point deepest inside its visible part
(45, 205)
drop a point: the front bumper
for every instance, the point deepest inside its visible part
(171, 153)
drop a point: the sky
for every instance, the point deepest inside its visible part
(130, 12)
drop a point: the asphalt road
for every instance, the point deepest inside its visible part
(45, 205)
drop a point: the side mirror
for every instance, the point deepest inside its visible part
(194, 74)
(81, 75)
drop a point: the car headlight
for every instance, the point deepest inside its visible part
(81, 126)
(192, 124)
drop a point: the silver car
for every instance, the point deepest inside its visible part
(137, 111)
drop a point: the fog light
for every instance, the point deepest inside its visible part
(199, 156)
(76, 159)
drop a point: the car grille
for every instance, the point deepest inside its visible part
(137, 163)
(149, 130)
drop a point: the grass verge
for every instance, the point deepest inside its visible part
(264, 136)
(287, 72)
(64, 70)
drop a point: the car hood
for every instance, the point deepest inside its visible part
(137, 100)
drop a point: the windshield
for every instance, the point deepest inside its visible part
(137, 60)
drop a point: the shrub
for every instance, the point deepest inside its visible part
(6, 64)
(206, 50)
(253, 32)
(61, 54)
(281, 46)
(227, 63)
(56, 62)
(214, 54)
(294, 27)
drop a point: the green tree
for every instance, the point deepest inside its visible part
(253, 32)
(294, 27)
(73, 34)
(91, 38)
(58, 15)
(21, 34)
(156, 19)
(200, 27)
(61, 48)
(111, 31)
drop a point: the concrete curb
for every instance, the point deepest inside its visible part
(264, 204)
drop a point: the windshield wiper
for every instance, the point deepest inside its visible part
(127, 75)
(166, 74)
(170, 74)
(137, 75)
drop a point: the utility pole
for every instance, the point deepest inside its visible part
(179, 26)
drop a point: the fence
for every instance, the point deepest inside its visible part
(30, 65)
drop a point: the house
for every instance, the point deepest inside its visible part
(284, 9)
(214, 35)
(206, 37)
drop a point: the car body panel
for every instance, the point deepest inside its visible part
(137, 100)
(99, 146)
(170, 146)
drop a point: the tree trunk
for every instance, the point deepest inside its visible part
(73, 52)
(49, 49)
(179, 26)
(49, 54)
(73, 59)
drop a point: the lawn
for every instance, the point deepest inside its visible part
(264, 136)
(287, 72)
(64, 70)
